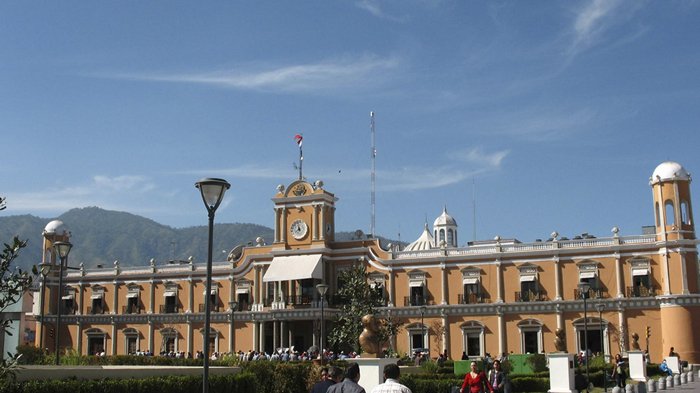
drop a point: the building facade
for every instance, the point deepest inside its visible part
(499, 296)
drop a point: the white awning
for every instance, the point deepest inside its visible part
(213, 292)
(169, 293)
(67, 297)
(416, 283)
(528, 278)
(587, 275)
(96, 296)
(243, 290)
(132, 294)
(470, 280)
(640, 272)
(297, 267)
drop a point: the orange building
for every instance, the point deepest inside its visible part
(486, 297)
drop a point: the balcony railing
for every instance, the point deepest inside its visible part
(212, 307)
(96, 310)
(131, 309)
(592, 294)
(471, 298)
(418, 301)
(530, 296)
(168, 309)
(298, 300)
(641, 291)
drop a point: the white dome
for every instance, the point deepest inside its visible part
(424, 242)
(55, 227)
(444, 219)
(669, 170)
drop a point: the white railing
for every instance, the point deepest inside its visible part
(525, 247)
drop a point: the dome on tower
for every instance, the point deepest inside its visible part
(444, 219)
(669, 170)
(424, 242)
(56, 227)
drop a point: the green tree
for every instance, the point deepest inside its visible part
(358, 299)
(13, 283)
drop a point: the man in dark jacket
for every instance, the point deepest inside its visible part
(329, 376)
(350, 383)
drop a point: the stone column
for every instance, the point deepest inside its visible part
(81, 297)
(150, 336)
(152, 302)
(684, 274)
(115, 301)
(256, 335)
(557, 278)
(114, 338)
(278, 224)
(392, 289)
(314, 222)
(79, 329)
(283, 225)
(618, 275)
(262, 336)
(443, 269)
(501, 330)
(445, 332)
(283, 334)
(322, 223)
(499, 281)
(622, 327)
(190, 294)
(666, 270)
(190, 338)
(275, 335)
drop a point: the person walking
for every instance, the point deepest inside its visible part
(497, 378)
(391, 381)
(350, 383)
(619, 371)
(475, 381)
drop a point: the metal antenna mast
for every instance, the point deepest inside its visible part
(374, 158)
(474, 208)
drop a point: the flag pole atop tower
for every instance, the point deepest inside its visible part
(298, 138)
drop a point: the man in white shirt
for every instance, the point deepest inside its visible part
(391, 381)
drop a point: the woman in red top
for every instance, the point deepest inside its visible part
(476, 380)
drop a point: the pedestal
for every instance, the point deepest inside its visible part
(372, 371)
(561, 373)
(673, 364)
(638, 370)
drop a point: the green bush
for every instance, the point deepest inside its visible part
(529, 384)
(538, 362)
(31, 355)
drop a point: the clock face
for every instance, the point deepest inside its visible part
(298, 229)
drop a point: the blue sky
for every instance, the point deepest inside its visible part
(556, 113)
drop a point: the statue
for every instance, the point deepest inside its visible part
(635, 342)
(369, 339)
(560, 340)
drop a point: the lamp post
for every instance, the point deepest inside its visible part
(233, 306)
(600, 306)
(584, 287)
(44, 269)
(212, 191)
(322, 289)
(62, 249)
(422, 323)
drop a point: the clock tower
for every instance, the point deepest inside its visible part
(304, 215)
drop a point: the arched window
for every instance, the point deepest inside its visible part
(670, 216)
(685, 217)
(95, 341)
(656, 211)
(450, 237)
(442, 236)
(473, 339)
(418, 337)
(530, 336)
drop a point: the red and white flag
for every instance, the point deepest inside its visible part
(298, 138)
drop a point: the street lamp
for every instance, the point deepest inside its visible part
(44, 269)
(422, 323)
(62, 249)
(600, 306)
(212, 191)
(233, 306)
(583, 288)
(322, 289)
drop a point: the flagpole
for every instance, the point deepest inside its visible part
(301, 162)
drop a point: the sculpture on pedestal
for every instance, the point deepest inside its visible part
(635, 341)
(560, 340)
(369, 339)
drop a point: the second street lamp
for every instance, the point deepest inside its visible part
(212, 191)
(584, 288)
(44, 269)
(322, 289)
(62, 249)
(422, 325)
(233, 306)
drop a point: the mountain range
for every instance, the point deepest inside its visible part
(101, 237)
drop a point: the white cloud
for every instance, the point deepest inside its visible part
(595, 19)
(372, 6)
(123, 183)
(332, 74)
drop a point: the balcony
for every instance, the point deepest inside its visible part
(302, 300)
(530, 296)
(212, 307)
(471, 298)
(168, 309)
(418, 301)
(96, 310)
(131, 309)
(68, 309)
(641, 291)
(592, 294)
